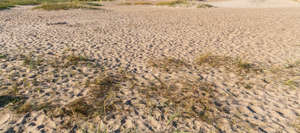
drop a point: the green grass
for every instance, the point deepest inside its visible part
(2, 56)
(171, 3)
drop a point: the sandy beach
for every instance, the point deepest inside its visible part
(146, 68)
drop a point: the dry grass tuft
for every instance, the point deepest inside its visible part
(32, 62)
(185, 98)
(168, 64)
(233, 64)
(142, 3)
(70, 60)
(100, 101)
(64, 6)
(205, 6)
(171, 3)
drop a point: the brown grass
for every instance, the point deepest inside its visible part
(204, 6)
(185, 98)
(64, 6)
(233, 64)
(171, 3)
(168, 64)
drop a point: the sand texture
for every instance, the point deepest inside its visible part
(150, 69)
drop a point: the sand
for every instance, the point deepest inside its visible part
(128, 37)
(256, 3)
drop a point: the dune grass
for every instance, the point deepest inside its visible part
(204, 6)
(64, 6)
(136, 3)
(171, 3)
(233, 64)
(6, 4)
(168, 64)
(49, 4)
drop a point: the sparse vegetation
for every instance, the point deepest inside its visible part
(185, 98)
(64, 6)
(233, 64)
(32, 62)
(93, 4)
(2, 56)
(204, 6)
(168, 64)
(136, 3)
(6, 99)
(292, 83)
(50, 4)
(171, 3)
(6, 4)
(142, 3)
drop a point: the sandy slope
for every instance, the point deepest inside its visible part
(127, 37)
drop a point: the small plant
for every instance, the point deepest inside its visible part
(291, 83)
(6, 99)
(32, 62)
(2, 56)
(24, 108)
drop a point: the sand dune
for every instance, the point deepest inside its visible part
(137, 69)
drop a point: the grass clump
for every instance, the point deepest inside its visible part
(76, 59)
(126, 3)
(171, 3)
(168, 64)
(6, 99)
(70, 60)
(184, 98)
(2, 56)
(204, 6)
(32, 62)
(93, 4)
(292, 83)
(6, 4)
(63, 6)
(136, 3)
(100, 101)
(142, 3)
(234, 64)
